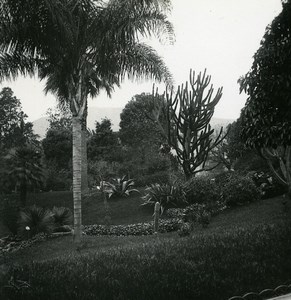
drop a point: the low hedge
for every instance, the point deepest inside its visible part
(206, 266)
(132, 229)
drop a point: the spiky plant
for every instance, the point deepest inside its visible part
(119, 187)
(167, 195)
(35, 220)
(62, 216)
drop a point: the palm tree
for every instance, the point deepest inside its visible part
(81, 47)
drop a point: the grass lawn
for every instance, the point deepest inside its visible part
(270, 211)
(243, 249)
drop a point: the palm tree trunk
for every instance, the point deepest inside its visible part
(84, 162)
(84, 183)
(77, 169)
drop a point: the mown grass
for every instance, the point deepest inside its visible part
(204, 266)
(244, 249)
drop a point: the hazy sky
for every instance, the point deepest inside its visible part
(220, 35)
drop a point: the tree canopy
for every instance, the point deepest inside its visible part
(266, 122)
(266, 115)
(136, 127)
(14, 131)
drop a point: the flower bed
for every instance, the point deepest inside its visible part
(132, 229)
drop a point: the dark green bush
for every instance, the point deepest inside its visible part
(201, 189)
(240, 190)
(204, 267)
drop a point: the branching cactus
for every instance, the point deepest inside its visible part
(156, 216)
(188, 112)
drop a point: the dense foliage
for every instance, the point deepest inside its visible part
(240, 190)
(266, 116)
(201, 189)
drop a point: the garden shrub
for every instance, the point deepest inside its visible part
(268, 184)
(205, 266)
(35, 220)
(201, 189)
(118, 187)
(200, 213)
(240, 190)
(167, 195)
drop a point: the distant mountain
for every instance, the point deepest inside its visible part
(41, 125)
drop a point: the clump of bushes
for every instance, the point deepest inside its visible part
(201, 189)
(200, 213)
(239, 190)
(268, 185)
(212, 266)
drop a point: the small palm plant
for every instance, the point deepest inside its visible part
(119, 187)
(167, 195)
(35, 220)
(62, 218)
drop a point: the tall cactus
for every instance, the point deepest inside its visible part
(156, 216)
(188, 115)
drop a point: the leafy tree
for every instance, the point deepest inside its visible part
(14, 131)
(142, 138)
(103, 142)
(188, 114)
(266, 116)
(136, 125)
(60, 118)
(80, 47)
(57, 147)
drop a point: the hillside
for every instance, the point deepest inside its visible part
(113, 113)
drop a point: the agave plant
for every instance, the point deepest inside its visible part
(35, 220)
(167, 195)
(119, 187)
